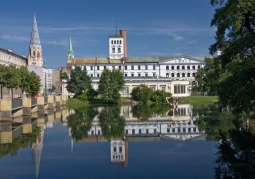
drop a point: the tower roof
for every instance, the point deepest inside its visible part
(70, 51)
(34, 34)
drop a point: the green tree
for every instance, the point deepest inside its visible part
(64, 76)
(79, 81)
(34, 83)
(24, 79)
(13, 77)
(141, 93)
(159, 96)
(110, 84)
(3, 78)
(235, 37)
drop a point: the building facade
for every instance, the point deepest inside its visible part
(174, 74)
(7, 57)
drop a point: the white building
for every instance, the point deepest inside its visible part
(173, 74)
(7, 57)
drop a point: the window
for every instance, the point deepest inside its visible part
(112, 42)
(155, 131)
(172, 67)
(168, 130)
(117, 42)
(154, 74)
(178, 67)
(163, 88)
(125, 67)
(154, 67)
(91, 67)
(140, 131)
(178, 74)
(113, 67)
(139, 67)
(198, 66)
(139, 74)
(146, 67)
(126, 131)
(146, 74)
(119, 51)
(188, 75)
(183, 74)
(119, 67)
(147, 131)
(193, 67)
(132, 74)
(114, 149)
(113, 50)
(153, 88)
(167, 75)
(97, 67)
(91, 75)
(167, 67)
(120, 42)
(132, 67)
(183, 67)
(98, 75)
(104, 67)
(179, 89)
(194, 74)
(133, 131)
(188, 67)
(125, 74)
(120, 149)
(172, 75)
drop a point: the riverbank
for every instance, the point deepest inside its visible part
(76, 103)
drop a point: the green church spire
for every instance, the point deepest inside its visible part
(70, 51)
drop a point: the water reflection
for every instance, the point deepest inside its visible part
(121, 125)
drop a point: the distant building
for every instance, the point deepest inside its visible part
(174, 74)
(7, 57)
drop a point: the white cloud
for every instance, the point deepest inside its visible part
(54, 42)
(192, 41)
(15, 38)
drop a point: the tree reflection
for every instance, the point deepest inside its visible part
(22, 141)
(80, 122)
(236, 154)
(111, 122)
(144, 112)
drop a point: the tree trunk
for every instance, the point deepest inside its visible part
(12, 93)
(1, 91)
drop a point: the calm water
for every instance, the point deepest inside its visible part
(112, 142)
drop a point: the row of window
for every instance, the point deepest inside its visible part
(116, 41)
(132, 67)
(154, 74)
(174, 130)
(113, 50)
(12, 59)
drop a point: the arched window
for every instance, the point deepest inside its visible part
(178, 74)
(188, 67)
(117, 42)
(172, 67)
(193, 67)
(188, 74)
(183, 67)
(198, 66)
(178, 67)
(167, 75)
(112, 42)
(120, 41)
(167, 67)
(172, 74)
(183, 74)
(194, 74)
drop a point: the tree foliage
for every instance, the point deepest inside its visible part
(235, 37)
(79, 81)
(3, 78)
(64, 76)
(24, 79)
(110, 84)
(141, 93)
(34, 83)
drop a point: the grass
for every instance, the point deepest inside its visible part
(199, 99)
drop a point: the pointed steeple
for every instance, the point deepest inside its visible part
(35, 34)
(35, 56)
(70, 51)
(70, 54)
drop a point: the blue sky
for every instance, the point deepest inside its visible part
(154, 27)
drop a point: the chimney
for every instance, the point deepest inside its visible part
(123, 33)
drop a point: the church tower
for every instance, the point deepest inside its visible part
(35, 49)
(70, 54)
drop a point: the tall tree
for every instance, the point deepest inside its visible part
(24, 79)
(3, 79)
(34, 84)
(110, 84)
(13, 77)
(235, 37)
(79, 81)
